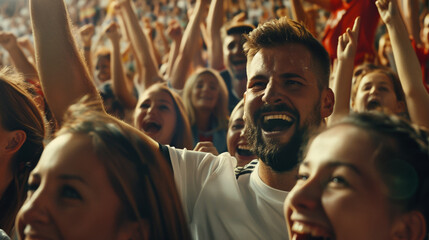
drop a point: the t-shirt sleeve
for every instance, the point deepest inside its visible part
(192, 170)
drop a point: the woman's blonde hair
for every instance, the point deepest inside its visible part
(141, 178)
(18, 111)
(220, 112)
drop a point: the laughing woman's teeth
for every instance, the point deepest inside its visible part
(300, 228)
(244, 147)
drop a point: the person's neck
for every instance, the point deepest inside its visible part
(203, 120)
(6, 178)
(282, 181)
(239, 87)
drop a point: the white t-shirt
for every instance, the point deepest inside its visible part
(219, 206)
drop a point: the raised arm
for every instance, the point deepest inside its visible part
(20, 61)
(214, 44)
(86, 33)
(299, 14)
(121, 87)
(141, 46)
(412, 21)
(149, 31)
(325, 4)
(187, 48)
(62, 71)
(346, 52)
(174, 31)
(408, 66)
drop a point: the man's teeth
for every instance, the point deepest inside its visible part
(278, 116)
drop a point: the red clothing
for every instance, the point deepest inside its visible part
(423, 56)
(342, 17)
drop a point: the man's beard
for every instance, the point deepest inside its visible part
(280, 157)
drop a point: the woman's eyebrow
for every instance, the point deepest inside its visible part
(72, 177)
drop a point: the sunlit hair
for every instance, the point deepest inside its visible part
(141, 178)
(279, 32)
(103, 52)
(401, 157)
(367, 69)
(220, 112)
(18, 111)
(237, 107)
(182, 135)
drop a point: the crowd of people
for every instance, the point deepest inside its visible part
(214, 119)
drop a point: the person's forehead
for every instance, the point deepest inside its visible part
(377, 77)
(234, 37)
(282, 59)
(344, 142)
(157, 95)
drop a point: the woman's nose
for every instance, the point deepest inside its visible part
(305, 196)
(34, 209)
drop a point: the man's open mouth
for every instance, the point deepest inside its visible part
(302, 231)
(276, 122)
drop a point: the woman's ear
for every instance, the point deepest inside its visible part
(15, 140)
(400, 107)
(410, 226)
(135, 231)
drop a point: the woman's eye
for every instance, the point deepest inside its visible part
(31, 187)
(339, 181)
(163, 107)
(70, 192)
(302, 177)
(237, 127)
(144, 106)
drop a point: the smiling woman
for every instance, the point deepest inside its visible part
(124, 190)
(206, 101)
(363, 178)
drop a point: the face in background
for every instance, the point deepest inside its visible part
(236, 141)
(156, 115)
(234, 58)
(205, 92)
(103, 68)
(339, 193)
(281, 102)
(375, 91)
(384, 50)
(68, 201)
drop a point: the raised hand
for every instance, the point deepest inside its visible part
(174, 30)
(112, 32)
(207, 147)
(24, 42)
(347, 43)
(86, 33)
(387, 9)
(8, 40)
